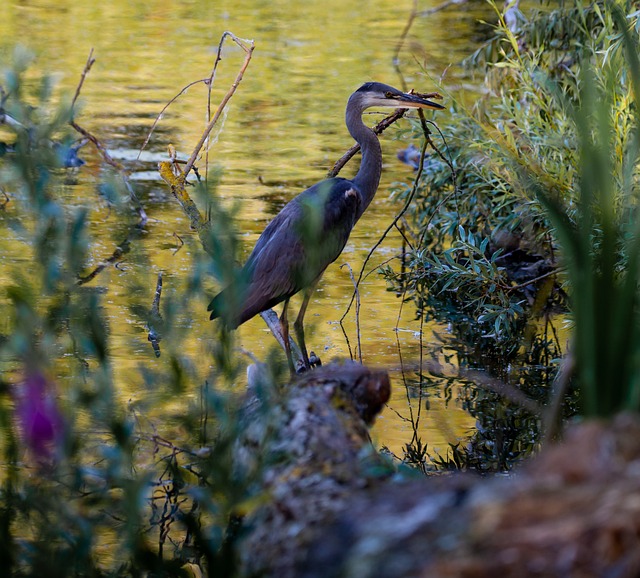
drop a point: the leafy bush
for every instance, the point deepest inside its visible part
(534, 195)
(90, 485)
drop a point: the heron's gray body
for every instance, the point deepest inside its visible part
(293, 251)
(311, 231)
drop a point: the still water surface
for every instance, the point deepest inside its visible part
(283, 130)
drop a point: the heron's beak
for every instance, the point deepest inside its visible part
(407, 100)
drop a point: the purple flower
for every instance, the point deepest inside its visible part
(39, 417)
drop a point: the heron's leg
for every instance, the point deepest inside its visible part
(298, 325)
(284, 328)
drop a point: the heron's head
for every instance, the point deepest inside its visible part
(378, 94)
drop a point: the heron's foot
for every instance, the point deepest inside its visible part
(314, 360)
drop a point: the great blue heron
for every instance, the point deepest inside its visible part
(309, 233)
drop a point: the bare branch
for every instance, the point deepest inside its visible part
(391, 226)
(440, 7)
(248, 47)
(85, 71)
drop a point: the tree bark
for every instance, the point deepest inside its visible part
(335, 508)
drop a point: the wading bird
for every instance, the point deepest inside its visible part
(311, 231)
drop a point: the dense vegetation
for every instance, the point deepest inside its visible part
(530, 212)
(534, 198)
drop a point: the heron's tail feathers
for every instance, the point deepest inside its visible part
(215, 306)
(235, 305)
(225, 306)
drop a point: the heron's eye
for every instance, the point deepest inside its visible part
(389, 94)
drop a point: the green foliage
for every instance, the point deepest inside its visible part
(535, 197)
(90, 485)
(601, 244)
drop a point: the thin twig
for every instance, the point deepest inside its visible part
(164, 108)
(85, 71)
(391, 226)
(401, 41)
(532, 281)
(454, 179)
(357, 308)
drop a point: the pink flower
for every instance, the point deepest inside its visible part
(39, 417)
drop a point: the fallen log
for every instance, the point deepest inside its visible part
(331, 509)
(318, 437)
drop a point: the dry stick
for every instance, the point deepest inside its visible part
(248, 49)
(176, 176)
(178, 184)
(85, 71)
(210, 82)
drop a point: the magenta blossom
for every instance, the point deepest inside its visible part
(39, 417)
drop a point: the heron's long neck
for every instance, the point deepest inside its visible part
(368, 176)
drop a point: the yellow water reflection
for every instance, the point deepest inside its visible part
(283, 131)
